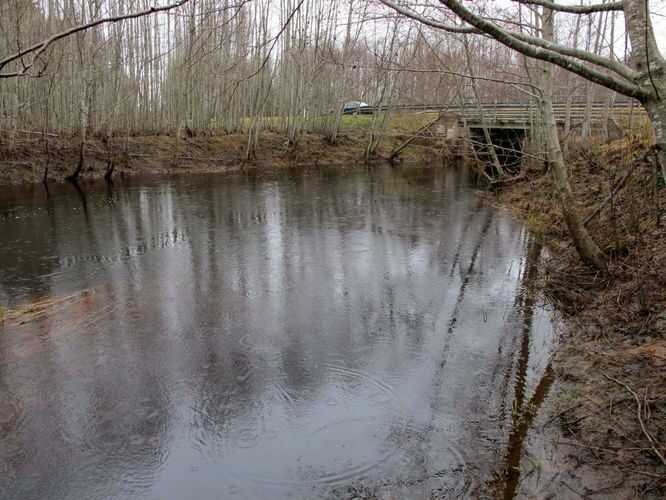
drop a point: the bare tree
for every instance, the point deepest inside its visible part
(642, 78)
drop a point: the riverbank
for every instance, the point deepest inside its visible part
(602, 428)
(25, 161)
(586, 436)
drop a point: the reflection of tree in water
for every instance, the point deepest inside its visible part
(524, 407)
(525, 302)
(438, 378)
(13, 446)
(84, 200)
(414, 443)
(250, 291)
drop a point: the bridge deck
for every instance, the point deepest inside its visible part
(522, 115)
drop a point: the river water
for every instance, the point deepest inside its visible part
(310, 333)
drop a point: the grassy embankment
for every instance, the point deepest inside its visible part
(24, 162)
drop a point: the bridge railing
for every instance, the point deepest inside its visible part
(512, 108)
(523, 115)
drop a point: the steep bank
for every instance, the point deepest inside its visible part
(602, 428)
(25, 161)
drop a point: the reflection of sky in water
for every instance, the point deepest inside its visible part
(242, 334)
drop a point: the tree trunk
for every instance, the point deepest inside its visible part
(75, 176)
(110, 167)
(482, 119)
(48, 160)
(657, 112)
(651, 69)
(586, 247)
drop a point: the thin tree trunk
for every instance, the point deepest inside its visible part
(482, 118)
(48, 160)
(74, 177)
(657, 112)
(586, 247)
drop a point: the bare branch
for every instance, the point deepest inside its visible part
(575, 66)
(38, 49)
(616, 67)
(575, 9)
(428, 21)
(584, 55)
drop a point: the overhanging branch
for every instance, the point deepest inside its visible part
(569, 63)
(575, 9)
(535, 43)
(428, 21)
(39, 48)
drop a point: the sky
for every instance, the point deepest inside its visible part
(658, 8)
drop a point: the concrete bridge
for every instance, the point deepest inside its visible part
(510, 124)
(513, 115)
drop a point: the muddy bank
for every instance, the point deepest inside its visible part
(25, 161)
(602, 428)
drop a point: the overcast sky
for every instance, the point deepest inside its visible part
(658, 7)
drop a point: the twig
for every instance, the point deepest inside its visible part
(560, 413)
(576, 492)
(617, 187)
(639, 410)
(583, 444)
(500, 183)
(606, 488)
(651, 474)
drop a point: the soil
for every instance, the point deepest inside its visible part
(24, 161)
(601, 431)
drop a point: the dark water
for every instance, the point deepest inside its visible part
(296, 334)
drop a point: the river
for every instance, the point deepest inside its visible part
(310, 333)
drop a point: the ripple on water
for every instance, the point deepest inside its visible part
(381, 390)
(359, 248)
(439, 466)
(366, 451)
(332, 453)
(355, 448)
(261, 342)
(341, 449)
(282, 393)
(247, 438)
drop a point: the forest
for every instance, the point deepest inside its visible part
(220, 67)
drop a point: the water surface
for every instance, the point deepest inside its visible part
(303, 334)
